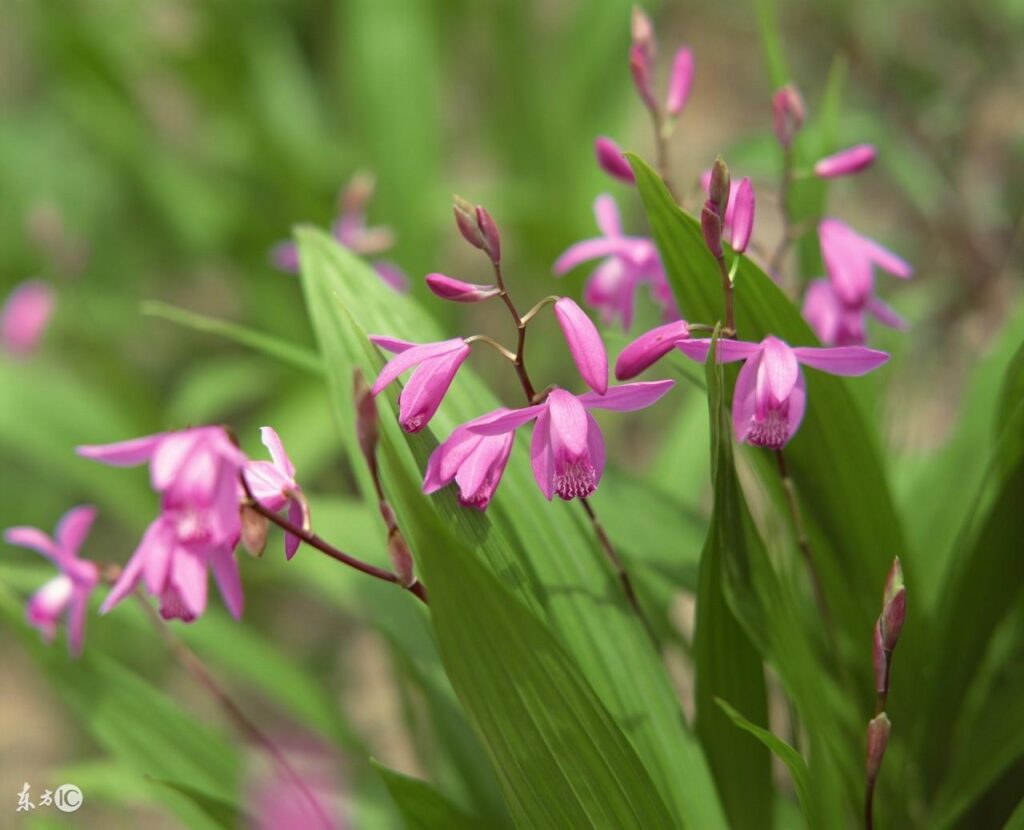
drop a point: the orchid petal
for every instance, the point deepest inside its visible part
(272, 441)
(779, 366)
(595, 448)
(298, 514)
(188, 576)
(568, 423)
(628, 397)
(123, 453)
(392, 275)
(154, 552)
(727, 351)
(425, 390)
(73, 527)
(585, 344)
(541, 457)
(744, 404)
(408, 358)
(225, 571)
(126, 582)
(597, 248)
(606, 212)
(797, 405)
(842, 360)
(886, 314)
(34, 539)
(501, 421)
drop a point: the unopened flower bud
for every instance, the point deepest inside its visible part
(894, 607)
(878, 740)
(642, 31)
(489, 234)
(401, 558)
(610, 158)
(357, 193)
(254, 531)
(640, 68)
(788, 114)
(367, 430)
(711, 225)
(457, 291)
(679, 82)
(845, 162)
(465, 218)
(742, 216)
(718, 190)
(880, 658)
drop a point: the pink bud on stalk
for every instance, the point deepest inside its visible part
(718, 190)
(367, 430)
(642, 32)
(679, 82)
(845, 162)
(788, 114)
(878, 740)
(492, 240)
(711, 226)
(584, 344)
(743, 216)
(889, 626)
(640, 67)
(610, 159)
(457, 291)
(477, 228)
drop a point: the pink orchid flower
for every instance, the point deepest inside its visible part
(837, 324)
(770, 396)
(351, 231)
(567, 449)
(435, 367)
(627, 262)
(850, 260)
(474, 462)
(196, 472)
(69, 591)
(610, 159)
(273, 485)
(25, 314)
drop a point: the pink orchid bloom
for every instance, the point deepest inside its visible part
(474, 462)
(567, 449)
(273, 485)
(435, 367)
(845, 162)
(850, 260)
(837, 324)
(585, 344)
(196, 472)
(679, 82)
(770, 395)
(351, 231)
(25, 314)
(69, 591)
(610, 159)
(650, 347)
(627, 262)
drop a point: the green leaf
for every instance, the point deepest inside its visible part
(1016, 821)
(833, 459)
(727, 664)
(288, 353)
(551, 562)
(793, 760)
(422, 807)
(771, 43)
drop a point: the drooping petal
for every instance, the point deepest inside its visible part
(188, 576)
(588, 249)
(797, 405)
(841, 360)
(727, 351)
(126, 582)
(606, 214)
(123, 453)
(680, 81)
(501, 420)
(409, 357)
(267, 484)
(595, 448)
(541, 458)
(649, 348)
(391, 344)
(272, 441)
(34, 539)
(779, 367)
(73, 527)
(585, 344)
(225, 571)
(886, 314)
(447, 457)
(610, 159)
(846, 263)
(154, 553)
(427, 387)
(628, 397)
(568, 424)
(744, 405)
(821, 310)
(886, 259)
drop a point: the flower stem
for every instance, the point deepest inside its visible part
(518, 362)
(190, 661)
(869, 804)
(730, 319)
(789, 488)
(778, 257)
(417, 588)
(662, 133)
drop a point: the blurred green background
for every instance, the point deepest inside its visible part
(158, 151)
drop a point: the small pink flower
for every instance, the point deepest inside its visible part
(845, 162)
(196, 472)
(770, 395)
(585, 344)
(351, 231)
(627, 262)
(457, 291)
(435, 367)
(610, 159)
(650, 347)
(474, 462)
(850, 260)
(837, 324)
(567, 449)
(788, 113)
(67, 593)
(273, 485)
(742, 203)
(679, 82)
(25, 314)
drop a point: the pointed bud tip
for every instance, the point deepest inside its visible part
(878, 740)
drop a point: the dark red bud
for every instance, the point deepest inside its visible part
(465, 218)
(711, 225)
(878, 740)
(719, 188)
(490, 235)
